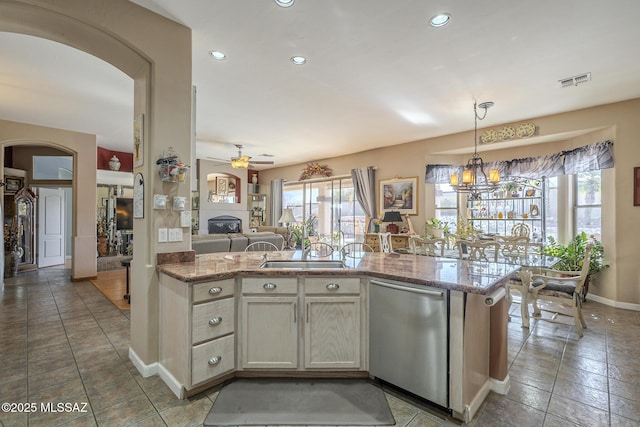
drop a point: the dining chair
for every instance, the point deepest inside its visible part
(355, 250)
(320, 250)
(385, 244)
(261, 247)
(513, 245)
(429, 247)
(559, 287)
(478, 250)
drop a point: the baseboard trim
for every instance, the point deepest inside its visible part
(613, 303)
(501, 387)
(171, 381)
(474, 405)
(144, 369)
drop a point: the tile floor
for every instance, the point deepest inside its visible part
(65, 342)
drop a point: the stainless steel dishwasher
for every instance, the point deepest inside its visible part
(408, 338)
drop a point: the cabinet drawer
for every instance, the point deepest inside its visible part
(400, 242)
(269, 285)
(213, 290)
(332, 285)
(211, 359)
(212, 319)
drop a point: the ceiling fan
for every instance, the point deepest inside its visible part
(243, 162)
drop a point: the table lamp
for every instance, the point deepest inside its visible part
(392, 216)
(287, 218)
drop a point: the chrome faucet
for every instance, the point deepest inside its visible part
(343, 252)
(305, 252)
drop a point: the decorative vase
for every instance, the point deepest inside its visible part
(103, 247)
(376, 228)
(114, 164)
(11, 261)
(254, 178)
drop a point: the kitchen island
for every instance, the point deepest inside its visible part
(224, 316)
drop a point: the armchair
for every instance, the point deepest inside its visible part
(560, 287)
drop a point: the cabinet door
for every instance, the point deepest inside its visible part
(269, 332)
(332, 332)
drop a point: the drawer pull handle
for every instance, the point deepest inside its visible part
(215, 290)
(269, 286)
(215, 360)
(333, 286)
(215, 321)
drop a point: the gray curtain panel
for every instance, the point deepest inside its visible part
(364, 183)
(277, 186)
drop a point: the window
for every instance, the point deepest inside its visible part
(551, 208)
(52, 168)
(446, 202)
(330, 208)
(587, 203)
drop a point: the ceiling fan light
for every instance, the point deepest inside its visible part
(240, 163)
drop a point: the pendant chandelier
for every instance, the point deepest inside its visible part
(474, 177)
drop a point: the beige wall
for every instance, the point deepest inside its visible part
(81, 146)
(156, 53)
(621, 220)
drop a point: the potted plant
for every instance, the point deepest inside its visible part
(103, 231)
(434, 228)
(571, 255)
(12, 249)
(305, 229)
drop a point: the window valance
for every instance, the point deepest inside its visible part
(582, 159)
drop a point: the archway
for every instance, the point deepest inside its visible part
(161, 71)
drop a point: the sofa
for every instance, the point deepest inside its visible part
(233, 242)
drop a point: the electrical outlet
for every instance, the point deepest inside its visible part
(162, 235)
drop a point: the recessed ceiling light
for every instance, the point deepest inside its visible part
(218, 55)
(440, 20)
(284, 3)
(299, 60)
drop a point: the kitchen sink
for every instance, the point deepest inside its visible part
(303, 264)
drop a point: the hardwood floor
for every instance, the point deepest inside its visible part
(113, 285)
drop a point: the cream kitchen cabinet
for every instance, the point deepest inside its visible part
(269, 323)
(197, 332)
(332, 327)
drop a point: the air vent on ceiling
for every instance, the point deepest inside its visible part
(575, 80)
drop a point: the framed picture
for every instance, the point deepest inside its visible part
(398, 194)
(222, 186)
(138, 141)
(12, 184)
(636, 186)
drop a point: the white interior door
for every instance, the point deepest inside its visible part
(51, 219)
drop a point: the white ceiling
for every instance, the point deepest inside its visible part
(377, 74)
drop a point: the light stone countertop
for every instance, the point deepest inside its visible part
(447, 273)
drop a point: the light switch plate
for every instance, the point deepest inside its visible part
(162, 235)
(185, 219)
(175, 234)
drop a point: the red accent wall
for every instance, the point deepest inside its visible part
(104, 156)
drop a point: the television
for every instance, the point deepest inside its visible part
(124, 213)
